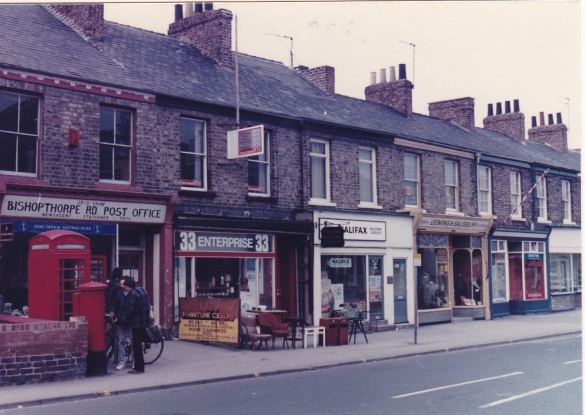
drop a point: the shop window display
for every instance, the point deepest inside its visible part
(250, 279)
(343, 281)
(433, 280)
(526, 268)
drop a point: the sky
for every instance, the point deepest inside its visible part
(491, 51)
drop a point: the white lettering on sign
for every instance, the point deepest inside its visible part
(96, 210)
(219, 242)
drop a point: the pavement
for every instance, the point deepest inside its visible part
(189, 363)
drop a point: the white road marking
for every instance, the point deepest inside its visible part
(572, 361)
(513, 398)
(456, 385)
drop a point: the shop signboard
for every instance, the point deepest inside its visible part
(209, 319)
(354, 230)
(81, 209)
(453, 224)
(332, 237)
(195, 241)
(246, 142)
(84, 228)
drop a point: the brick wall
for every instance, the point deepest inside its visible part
(397, 95)
(460, 111)
(87, 18)
(322, 76)
(510, 124)
(210, 32)
(33, 351)
(78, 166)
(553, 135)
(562, 302)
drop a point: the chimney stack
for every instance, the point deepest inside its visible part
(510, 123)
(382, 76)
(490, 110)
(198, 8)
(554, 135)
(209, 31)
(458, 111)
(323, 77)
(86, 19)
(396, 94)
(178, 12)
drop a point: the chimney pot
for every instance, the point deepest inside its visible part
(516, 105)
(499, 108)
(208, 6)
(550, 119)
(188, 10)
(559, 118)
(382, 76)
(178, 12)
(542, 118)
(198, 7)
(372, 78)
(534, 124)
(392, 74)
(507, 103)
(402, 71)
(490, 110)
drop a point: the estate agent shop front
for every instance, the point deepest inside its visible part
(374, 268)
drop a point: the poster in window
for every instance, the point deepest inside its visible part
(534, 276)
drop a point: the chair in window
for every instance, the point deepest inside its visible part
(250, 331)
(270, 325)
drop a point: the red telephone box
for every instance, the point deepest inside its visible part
(58, 263)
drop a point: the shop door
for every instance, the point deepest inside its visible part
(131, 264)
(400, 313)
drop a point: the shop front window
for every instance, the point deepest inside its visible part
(498, 278)
(376, 286)
(526, 269)
(250, 279)
(560, 273)
(343, 281)
(433, 281)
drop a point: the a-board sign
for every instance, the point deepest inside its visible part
(246, 142)
(209, 319)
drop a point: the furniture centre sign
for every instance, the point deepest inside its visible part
(81, 209)
(209, 319)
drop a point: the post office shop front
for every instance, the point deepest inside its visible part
(131, 241)
(372, 270)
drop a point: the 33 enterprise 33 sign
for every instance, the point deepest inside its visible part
(195, 241)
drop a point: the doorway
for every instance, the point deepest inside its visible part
(400, 305)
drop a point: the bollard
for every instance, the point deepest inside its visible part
(90, 303)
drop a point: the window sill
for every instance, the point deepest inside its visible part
(568, 222)
(321, 202)
(517, 219)
(540, 220)
(370, 206)
(197, 193)
(118, 187)
(454, 213)
(23, 180)
(487, 215)
(266, 199)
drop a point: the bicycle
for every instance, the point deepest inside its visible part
(353, 311)
(150, 350)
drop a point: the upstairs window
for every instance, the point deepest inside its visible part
(451, 188)
(259, 171)
(515, 194)
(193, 154)
(541, 200)
(19, 133)
(566, 197)
(367, 162)
(115, 144)
(411, 180)
(484, 189)
(319, 154)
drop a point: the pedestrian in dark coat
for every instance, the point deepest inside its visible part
(138, 318)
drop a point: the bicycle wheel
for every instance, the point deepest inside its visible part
(370, 322)
(152, 351)
(109, 345)
(243, 338)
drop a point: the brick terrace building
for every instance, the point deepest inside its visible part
(152, 114)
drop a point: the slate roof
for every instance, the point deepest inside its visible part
(36, 41)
